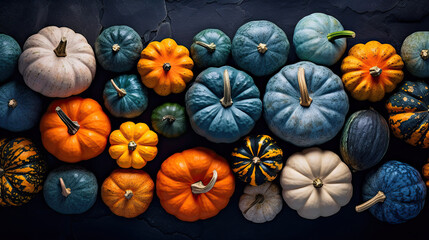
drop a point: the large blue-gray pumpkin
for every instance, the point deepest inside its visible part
(320, 38)
(260, 47)
(223, 104)
(70, 189)
(305, 104)
(210, 48)
(20, 107)
(415, 53)
(118, 48)
(365, 139)
(394, 193)
(9, 54)
(125, 96)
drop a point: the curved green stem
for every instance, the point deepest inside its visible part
(341, 34)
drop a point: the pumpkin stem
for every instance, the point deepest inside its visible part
(424, 54)
(72, 126)
(169, 118)
(60, 51)
(12, 103)
(317, 183)
(166, 67)
(199, 187)
(64, 190)
(341, 34)
(116, 47)
(1, 172)
(121, 91)
(226, 101)
(259, 198)
(375, 71)
(262, 48)
(379, 197)
(210, 47)
(128, 194)
(132, 146)
(305, 99)
(256, 160)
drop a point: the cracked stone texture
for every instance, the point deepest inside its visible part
(388, 21)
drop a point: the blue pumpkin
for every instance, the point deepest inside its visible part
(320, 38)
(210, 48)
(118, 48)
(223, 104)
(305, 104)
(394, 193)
(260, 47)
(9, 54)
(20, 107)
(70, 189)
(365, 139)
(125, 96)
(415, 53)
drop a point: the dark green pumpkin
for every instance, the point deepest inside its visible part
(257, 160)
(210, 48)
(9, 54)
(169, 120)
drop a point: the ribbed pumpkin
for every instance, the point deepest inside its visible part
(371, 70)
(133, 145)
(22, 171)
(194, 184)
(415, 52)
(165, 67)
(257, 160)
(75, 129)
(9, 54)
(127, 192)
(169, 120)
(210, 48)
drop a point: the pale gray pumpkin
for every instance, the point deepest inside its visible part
(57, 62)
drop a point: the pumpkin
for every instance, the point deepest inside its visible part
(22, 171)
(194, 184)
(70, 189)
(169, 120)
(127, 192)
(316, 183)
(20, 108)
(261, 203)
(210, 48)
(74, 129)
(425, 173)
(408, 112)
(305, 104)
(125, 96)
(118, 48)
(257, 160)
(320, 38)
(260, 47)
(9, 54)
(365, 139)
(165, 67)
(57, 62)
(415, 52)
(133, 145)
(394, 193)
(223, 104)
(371, 70)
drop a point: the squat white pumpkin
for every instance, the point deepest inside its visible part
(57, 62)
(316, 183)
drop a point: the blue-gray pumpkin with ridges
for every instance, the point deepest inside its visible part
(305, 104)
(210, 48)
(260, 47)
(223, 104)
(415, 53)
(9, 54)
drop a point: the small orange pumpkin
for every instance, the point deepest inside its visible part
(75, 129)
(127, 192)
(165, 67)
(371, 70)
(425, 172)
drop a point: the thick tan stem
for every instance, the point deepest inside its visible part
(169, 118)
(375, 71)
(210, 47)
(60, 51)
(262, 48)
(226, 101)
(64, 190)
(317, 183)
(199, 187)
(379, 197)
(128, 194)
(72, 126)
(116, 47)
(121, 92)
(424, 54)
(12, 103)
(305, 99)
(132, 146)
(259, 198)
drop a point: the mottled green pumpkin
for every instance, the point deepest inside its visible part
(169, 120)
(22, 171)
(257, 160)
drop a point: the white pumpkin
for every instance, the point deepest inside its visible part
(57, 62)
(316, 183)
(261, 203)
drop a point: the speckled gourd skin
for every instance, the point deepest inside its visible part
(202, 56)
(410, 53)
(9, 54)
(163, 126)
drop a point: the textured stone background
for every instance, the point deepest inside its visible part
(388, 21)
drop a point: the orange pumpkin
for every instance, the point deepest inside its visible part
(194, 184)
(127, 192)
(425, 172)
(371, 70)
(75, 129)
(165, 67)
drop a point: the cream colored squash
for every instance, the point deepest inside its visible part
(57, 62)
(316, 183)
(261, 203)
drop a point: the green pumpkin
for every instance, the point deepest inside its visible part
(415, 53)
(169, 120)
(210, 48)
(9, 54)
(257, 160)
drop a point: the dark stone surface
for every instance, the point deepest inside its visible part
(388, 21)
